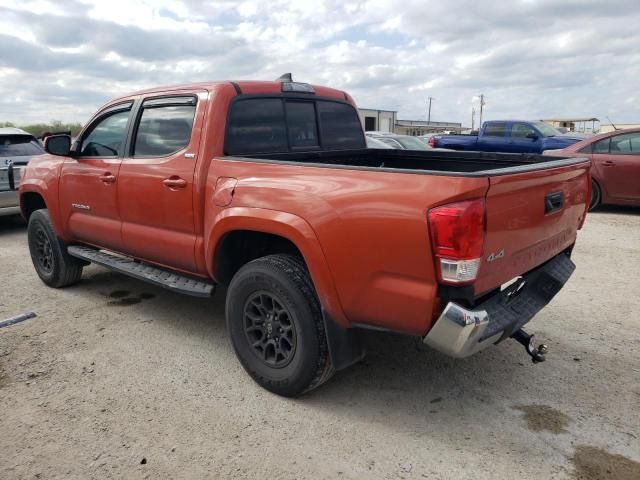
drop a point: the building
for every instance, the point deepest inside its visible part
(387, 121)
(420, 127)
(607, 127)
(380, 120)
(585, 125)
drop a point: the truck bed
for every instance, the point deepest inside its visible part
(454, 163)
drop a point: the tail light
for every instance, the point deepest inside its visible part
(432, 142)
(457, 237)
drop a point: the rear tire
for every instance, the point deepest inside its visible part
(596, 195)
(276, 326)
(53, 264)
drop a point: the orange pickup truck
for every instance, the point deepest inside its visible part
(268, 189)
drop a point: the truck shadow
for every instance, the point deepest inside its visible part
(401, 385)
(616, 209)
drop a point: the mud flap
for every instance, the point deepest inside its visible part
(346, 345)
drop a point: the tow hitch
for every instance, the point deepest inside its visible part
(537, 354)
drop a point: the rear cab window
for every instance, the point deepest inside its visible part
(280, 125)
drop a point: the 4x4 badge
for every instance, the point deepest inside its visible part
(496, 256)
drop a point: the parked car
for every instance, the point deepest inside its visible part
(268, 189)
(373, 142)
(400, 142)
(615, 171)
(17, 147)
(426, 137)
(512, 136)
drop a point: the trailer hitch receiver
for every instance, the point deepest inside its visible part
(537, 354)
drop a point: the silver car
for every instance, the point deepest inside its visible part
(16, 149)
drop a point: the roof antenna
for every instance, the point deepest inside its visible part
(614, 127)
(285, 77)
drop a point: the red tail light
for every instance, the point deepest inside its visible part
(432, 142)
(457, 237)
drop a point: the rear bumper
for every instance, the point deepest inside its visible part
(460, 332)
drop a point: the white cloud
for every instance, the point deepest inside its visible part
(531, 59)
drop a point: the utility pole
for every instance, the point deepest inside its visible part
(473, 117)
(429, 113)
(482, 103)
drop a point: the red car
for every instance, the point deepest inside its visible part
(615, 172)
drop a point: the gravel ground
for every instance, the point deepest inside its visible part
(119, 379)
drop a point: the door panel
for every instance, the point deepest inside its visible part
(520, 143)
(88, 182)
(155, 191)
(89, 203)
(620, 167)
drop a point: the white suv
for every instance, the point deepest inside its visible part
(16, 149)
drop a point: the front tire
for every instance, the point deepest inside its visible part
(596, 196)
(53, 264)
(276, 327)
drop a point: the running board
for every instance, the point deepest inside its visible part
(142, 271)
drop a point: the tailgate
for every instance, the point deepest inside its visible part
(530, 218)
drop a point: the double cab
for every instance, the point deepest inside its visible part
(267, 188)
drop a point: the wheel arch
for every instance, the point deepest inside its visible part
(247, 233)
(31, 201)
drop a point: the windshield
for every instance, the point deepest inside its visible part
(19, 146)
(411, 143)
(545, 129)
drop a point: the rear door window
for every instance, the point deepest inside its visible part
(164, 129)
(495, 129)
(628, 143)
(19, 146)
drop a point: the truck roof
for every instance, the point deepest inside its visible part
(245, 86)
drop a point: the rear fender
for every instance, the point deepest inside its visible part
(286, 225)
(345, 344)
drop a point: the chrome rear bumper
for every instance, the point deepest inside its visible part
(460, 332)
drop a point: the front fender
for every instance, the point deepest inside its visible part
(289, 226)
(42, 177)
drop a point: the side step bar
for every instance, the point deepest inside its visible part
(158, 276)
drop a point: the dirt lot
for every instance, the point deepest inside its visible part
(118, 379)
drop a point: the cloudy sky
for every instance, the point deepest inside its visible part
(531, 58)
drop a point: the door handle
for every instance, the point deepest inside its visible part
(608, 163)
(175, 182)
(108, 178)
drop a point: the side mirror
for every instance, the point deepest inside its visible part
(532, 136)
(58, 145)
